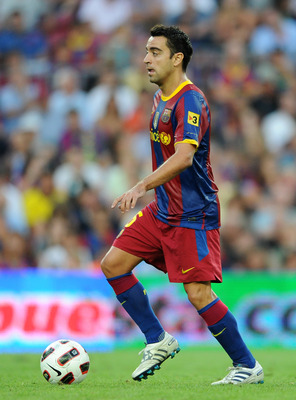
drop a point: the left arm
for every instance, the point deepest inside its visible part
(173, 166)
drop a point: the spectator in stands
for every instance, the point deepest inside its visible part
(275, 31)
(109, 87)
(105, 15)
(65, 96)
(63, 248)
(17, 96)
(279, 126)
(15, 252)
(11, 204)
(70, 177)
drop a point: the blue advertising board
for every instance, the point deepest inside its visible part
(38, 307)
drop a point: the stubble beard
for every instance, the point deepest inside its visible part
(154, 79)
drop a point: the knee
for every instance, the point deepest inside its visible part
(199, 294)
(106, 266)
(195, 295)
(114, 264)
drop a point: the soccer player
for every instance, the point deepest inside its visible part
(178, 232)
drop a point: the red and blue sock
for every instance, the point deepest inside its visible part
(133, 297)
(223, 327)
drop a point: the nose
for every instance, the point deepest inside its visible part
(146, 59)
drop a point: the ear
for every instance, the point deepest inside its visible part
(178, 59)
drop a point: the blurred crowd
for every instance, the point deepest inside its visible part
(75, 103)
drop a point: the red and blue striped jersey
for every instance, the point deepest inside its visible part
(190, 199)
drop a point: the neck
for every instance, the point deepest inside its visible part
(172, 83)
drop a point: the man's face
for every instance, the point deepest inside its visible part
(158, 60)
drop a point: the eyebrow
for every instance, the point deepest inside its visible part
(153, 48)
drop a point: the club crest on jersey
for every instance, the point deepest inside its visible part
(155, 120)
(166, 115)
(193, 118)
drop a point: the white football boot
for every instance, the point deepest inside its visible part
(154, 354)
(240, 375)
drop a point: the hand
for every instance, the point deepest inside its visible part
(129, 199)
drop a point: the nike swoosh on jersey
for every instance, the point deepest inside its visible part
(56, 370)
(217, 334)
(184, 271)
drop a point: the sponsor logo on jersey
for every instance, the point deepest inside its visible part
(163, 137)
(154, 136)
(193, 118)
(166, 115)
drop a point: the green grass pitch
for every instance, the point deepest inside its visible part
(186, 377)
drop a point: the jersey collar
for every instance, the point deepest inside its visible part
(180, 87)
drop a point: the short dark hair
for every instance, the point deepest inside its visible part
(177, 41)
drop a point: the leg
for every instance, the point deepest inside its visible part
(223, 327)
(133, 297)
(220, 321)
(117, 266)
(199, 294)
(118, 262)
(143, 238)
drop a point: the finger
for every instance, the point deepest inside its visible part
(132, 199)
(134, 202)
(125, 204)
(116, 201)
(123, 208)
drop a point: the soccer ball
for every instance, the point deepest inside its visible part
(64, 362)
